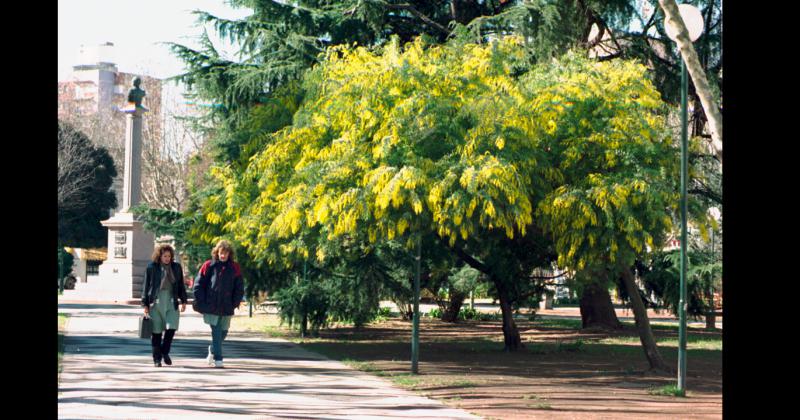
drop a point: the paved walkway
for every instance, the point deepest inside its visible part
(108, 374)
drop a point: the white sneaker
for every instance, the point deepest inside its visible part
(218, 364)
(210, 357)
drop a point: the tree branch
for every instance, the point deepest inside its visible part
(548, 278)
(696, 72)
(418, 14)
(471, 261)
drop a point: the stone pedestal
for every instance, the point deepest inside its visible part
(129, 250)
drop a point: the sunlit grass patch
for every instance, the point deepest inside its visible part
(668, 390)
(267, 324)
(693, 342)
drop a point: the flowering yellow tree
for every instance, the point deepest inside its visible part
(459, 145)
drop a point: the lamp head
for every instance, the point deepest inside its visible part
(693, 20)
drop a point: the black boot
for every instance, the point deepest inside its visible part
(155, 342)
(166, 345)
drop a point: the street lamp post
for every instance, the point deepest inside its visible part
(712, 317)
(415, 327)
(693, 20)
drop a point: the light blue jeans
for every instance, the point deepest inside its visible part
(217, 336)
(219, 330)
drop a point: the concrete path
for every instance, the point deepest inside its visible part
(108, 374)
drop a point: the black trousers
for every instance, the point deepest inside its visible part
(160, 348)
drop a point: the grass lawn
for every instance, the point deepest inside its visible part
(270, 325)
(561, 368)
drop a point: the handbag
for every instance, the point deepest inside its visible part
(145, 327)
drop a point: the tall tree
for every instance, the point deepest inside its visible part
(416, 152)
(279, 42)
(615, 198)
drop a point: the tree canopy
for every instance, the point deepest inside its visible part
(85, 195)
(463, 142)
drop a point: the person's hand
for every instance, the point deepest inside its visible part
(147, 310)
(183, 307)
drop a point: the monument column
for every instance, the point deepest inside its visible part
(132, 180)
(129, 245)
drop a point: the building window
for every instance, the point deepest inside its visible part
(93, 268)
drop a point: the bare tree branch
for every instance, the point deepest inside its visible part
(74, 170)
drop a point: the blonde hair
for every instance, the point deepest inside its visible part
(223, 244)
(160, 249)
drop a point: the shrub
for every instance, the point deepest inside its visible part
(567, 301)
(382, 315)
(435, 313)
(65, 261)
(489, 317)
(69, 282)
(467, 313)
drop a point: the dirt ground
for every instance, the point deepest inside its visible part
(562, 373)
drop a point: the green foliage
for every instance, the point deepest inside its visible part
(482, 196)
(670, 390)
(371, 161)
(65, 261)
(79, 219)
(617, 165)
(176, 224)
(383, 314)
(571, 301)
(489, 316)
(661, 276)
(465, 279)
(434, 313)
(304, 300)
(468, 313)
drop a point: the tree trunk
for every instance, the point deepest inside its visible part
(512, 340)
(453, 306)
(689, 55)
(597, 310)
(643, 324)
(406, 310)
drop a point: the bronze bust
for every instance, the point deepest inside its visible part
(136, 93)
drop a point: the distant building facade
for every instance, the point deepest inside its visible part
(91, 97)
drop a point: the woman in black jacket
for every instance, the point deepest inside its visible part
(218, 291)
(163, 288)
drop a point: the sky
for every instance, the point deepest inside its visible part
(135, 28)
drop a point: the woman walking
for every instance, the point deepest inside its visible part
(163, 288)
(218, 290)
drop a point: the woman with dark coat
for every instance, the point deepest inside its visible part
(163, 288)
(218, 291)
